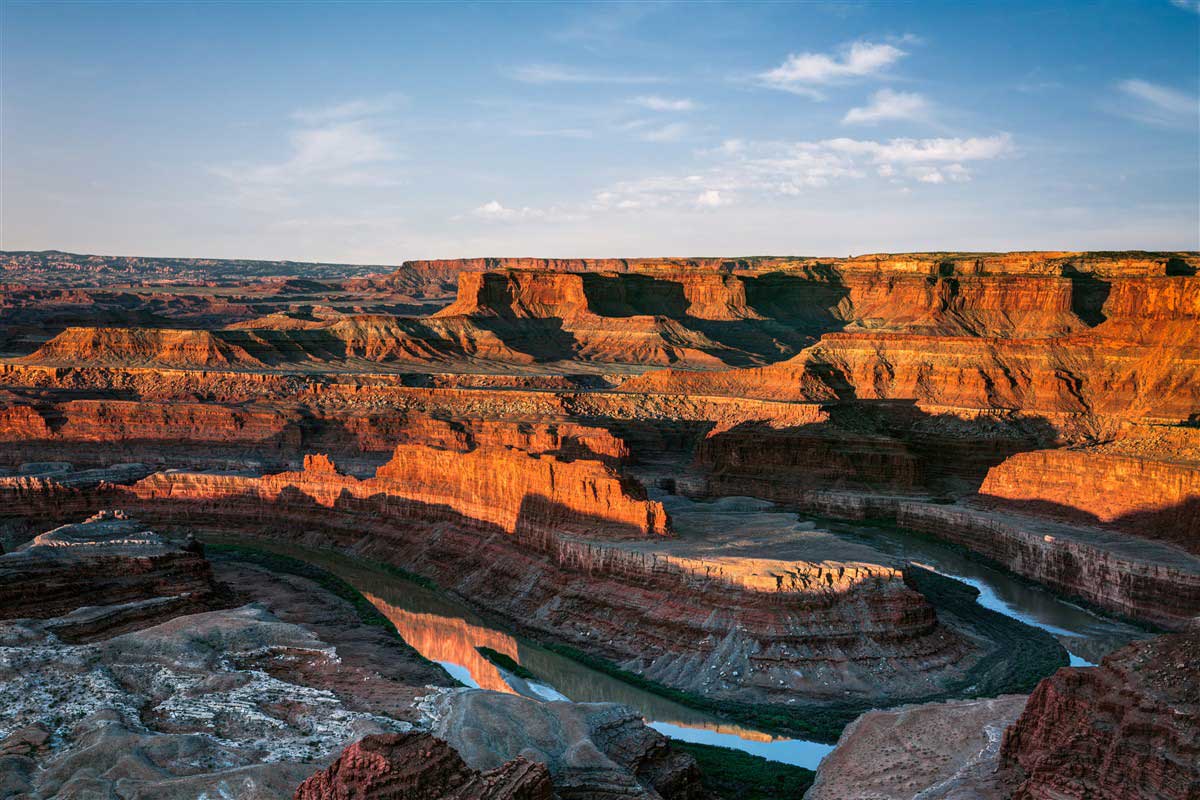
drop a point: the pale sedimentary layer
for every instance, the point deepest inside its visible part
(935, 751)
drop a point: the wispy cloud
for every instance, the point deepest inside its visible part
(652, 130)
(743, 169)
(495, 211)
(562, 133)
(335, 146)
(889, 105)
(1155, 104)
(1187, 5)
(803, 73)
(909, 151)
(604, 26)
(335, 154)
(666, 133)
(352, 109)
(656, 103)
(557, 73)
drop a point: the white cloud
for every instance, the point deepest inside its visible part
(889, 105)
(711, 198)
(954, 173)
(496, 211)
(766, 169)
(352, 109)
(925, 150)
(1187, 5)
(657, 103)
(1155, 104)
(802, 73)
(667, 133)
(340, 154)
(555, 73)
(335, 146)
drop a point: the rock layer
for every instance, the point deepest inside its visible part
(1155, 498)
(106, 560)
(750, 629)
(935, 751)
(1129, 728)
(398, 766)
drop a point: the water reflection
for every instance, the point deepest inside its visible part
(448, 632)
(452, 642)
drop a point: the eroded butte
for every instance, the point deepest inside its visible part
(746, 487)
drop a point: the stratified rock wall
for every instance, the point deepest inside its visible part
(400, 766)
(1127, 729)
(1143, 580)
(740, 627)
(104, 561)
(1155, 498)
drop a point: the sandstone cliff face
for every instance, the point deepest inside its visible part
(784, 465)
(1155, 498)
(702, 314)
(752, 630)
(513, 489)
(1074, 375)
(1140, 579)
(398, 766)
(1129, 728)
(490, 485)
(1130, 353)
(119, 420)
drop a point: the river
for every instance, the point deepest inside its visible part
(448, 632)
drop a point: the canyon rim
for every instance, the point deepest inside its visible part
(471, 449)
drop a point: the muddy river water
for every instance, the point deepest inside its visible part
(446, 631)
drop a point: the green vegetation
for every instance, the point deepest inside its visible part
(1023, 655)
(218, 539)
(397, 572)
(506, 663)
(735, 775)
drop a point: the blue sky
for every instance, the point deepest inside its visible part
(377, 132)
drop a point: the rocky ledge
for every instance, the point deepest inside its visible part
(1129, 728)
(932, 751)
(404, 765)
(104, 561)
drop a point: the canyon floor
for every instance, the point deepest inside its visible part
(894, 526)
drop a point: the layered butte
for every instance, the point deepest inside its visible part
(534, 539)
(635, 462)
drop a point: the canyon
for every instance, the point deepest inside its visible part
(730, 483)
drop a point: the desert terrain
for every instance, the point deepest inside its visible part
(887, 526)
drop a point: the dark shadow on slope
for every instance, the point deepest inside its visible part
(541, 339)
(810, 307)
(631, 295)
(1088, 295)
(872, 446)
(1177, 266)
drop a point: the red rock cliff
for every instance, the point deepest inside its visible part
(1151, 497)
(1129, 728)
